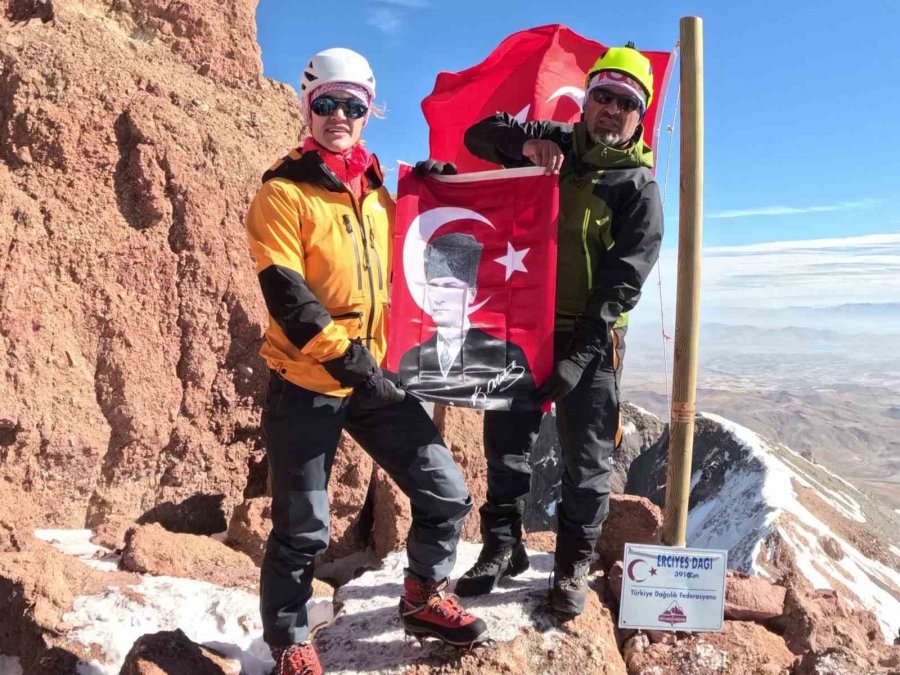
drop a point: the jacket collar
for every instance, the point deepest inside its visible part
(599, 156)
(308, 167)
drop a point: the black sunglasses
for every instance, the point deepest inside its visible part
(626, 103)
(324, 106)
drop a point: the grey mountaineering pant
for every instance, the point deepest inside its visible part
(302, 430)
(588, 424)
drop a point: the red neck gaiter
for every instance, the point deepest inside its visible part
(349, 166)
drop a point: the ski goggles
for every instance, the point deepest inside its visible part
(353, 108)
(623, 101)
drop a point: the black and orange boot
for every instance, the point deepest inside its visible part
(426, 611)
(299, 659)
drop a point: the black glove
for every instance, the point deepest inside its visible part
(377, 392)
(587, 344)
(356, 366)
(565, 377)
(431, 166)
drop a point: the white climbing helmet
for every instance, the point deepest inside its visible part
(337, 64)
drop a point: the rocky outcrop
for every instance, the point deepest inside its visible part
(749, 598)
(150, 549)
(631, 520)
(817, 620)
(132, 136)
(37, 588)
(173, 653)
(740, 649)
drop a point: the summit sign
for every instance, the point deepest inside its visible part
(665, 588)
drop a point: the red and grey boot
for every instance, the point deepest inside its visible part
(299, 659)
(427, 611)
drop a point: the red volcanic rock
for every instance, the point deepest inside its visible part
(391, 515)
(132, 136)
(632, 520)
(149, 549)
(249, 528)
(461, 429)
(742, 648)
(750, 598)
(173, 653)
(37, 588)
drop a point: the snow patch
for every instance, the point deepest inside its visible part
(77, 543)
(9, 665)
(367, 634)
(226, 618)
(695, 479)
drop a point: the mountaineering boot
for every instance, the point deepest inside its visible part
(426, 611)
(493, 564)
(569, 591)
(299, 659)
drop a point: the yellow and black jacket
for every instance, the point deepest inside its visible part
(323, 259)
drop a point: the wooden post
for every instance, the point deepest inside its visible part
(687, 309)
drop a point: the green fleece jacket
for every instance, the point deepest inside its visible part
(610, 219)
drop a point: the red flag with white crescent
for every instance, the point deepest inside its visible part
(535, 74)
(474, 282)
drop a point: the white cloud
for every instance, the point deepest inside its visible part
(389, 15)
(791, 210)
(780, 282)
(385, 19)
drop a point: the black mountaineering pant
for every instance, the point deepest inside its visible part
(302, 430)
(588, 424)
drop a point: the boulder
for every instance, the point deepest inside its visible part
(752, 598)
(150, 549)
(817, 620)
(632, 520)
(249, 529)
(173, 653)
(37, 588)
(742, 648)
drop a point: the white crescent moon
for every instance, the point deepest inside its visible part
(417, 236)
(573, 93)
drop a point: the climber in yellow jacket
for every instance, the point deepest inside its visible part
(320, 229)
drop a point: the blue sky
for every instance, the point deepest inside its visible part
(802, 131)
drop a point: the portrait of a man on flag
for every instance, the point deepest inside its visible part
(476, 287)
(460, 355)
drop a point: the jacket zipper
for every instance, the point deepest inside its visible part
(357, 208)
(375, 250)
(349, 228)
(587, 254)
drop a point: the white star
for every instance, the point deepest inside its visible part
(513, 260)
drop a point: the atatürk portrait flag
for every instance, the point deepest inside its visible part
(472, 297)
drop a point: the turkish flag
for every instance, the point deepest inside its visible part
(473, 290)
(536, 74)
